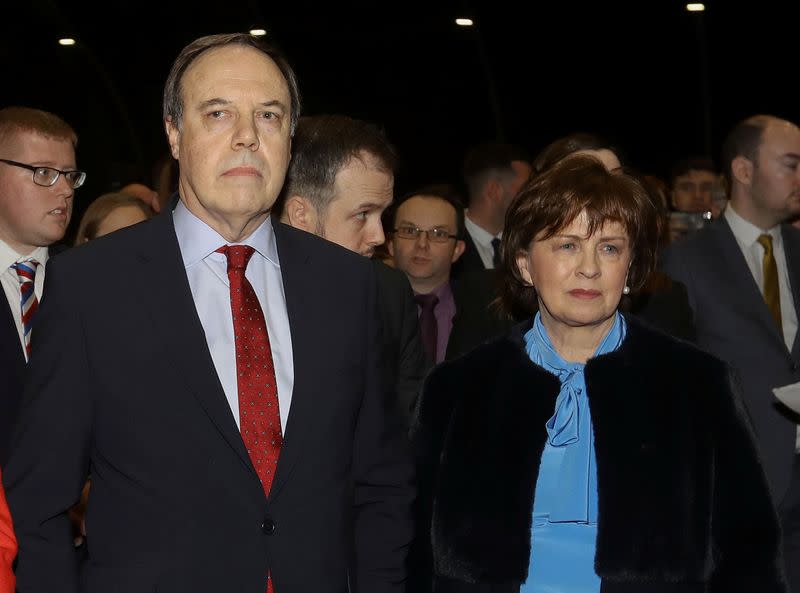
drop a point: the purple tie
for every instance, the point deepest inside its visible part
(427, 323)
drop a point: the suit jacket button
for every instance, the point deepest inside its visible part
(268, 526)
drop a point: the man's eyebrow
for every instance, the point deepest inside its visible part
(215, 102)
(363, 205)
(219, 101)
(274, 103)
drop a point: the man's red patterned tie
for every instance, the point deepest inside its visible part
(259, 414)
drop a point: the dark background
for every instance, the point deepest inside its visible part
(658, 81)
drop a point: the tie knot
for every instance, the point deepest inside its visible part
(426, 301)
(766, 243)
(26, 270)
(238, 256)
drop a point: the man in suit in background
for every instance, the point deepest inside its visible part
(426, 241)
(38, 179)
(219, 373)
(339, 182)
(493, 174)
(743, 277)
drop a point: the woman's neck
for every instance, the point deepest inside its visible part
(575, 344)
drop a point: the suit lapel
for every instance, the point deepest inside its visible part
(164, 291)
(10, 336)
(738, 269)
(298, 289)
(791, 249)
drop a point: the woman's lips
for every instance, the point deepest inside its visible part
(580, 293)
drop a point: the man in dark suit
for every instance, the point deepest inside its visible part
(743, 277)
(340, 181)
(455, 314)
(38, 179)
(493, 174)
(219, 374)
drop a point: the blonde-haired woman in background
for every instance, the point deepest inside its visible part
(109, 213)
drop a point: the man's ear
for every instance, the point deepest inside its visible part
(173, 137)
(494, 190)
(458, 251)
(742, 170)
(299, 213)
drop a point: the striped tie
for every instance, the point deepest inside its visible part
(26, 272)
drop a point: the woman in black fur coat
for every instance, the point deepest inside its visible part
(585, 451)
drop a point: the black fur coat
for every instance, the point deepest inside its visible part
(683, 502)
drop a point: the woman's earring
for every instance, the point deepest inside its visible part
(626, 290)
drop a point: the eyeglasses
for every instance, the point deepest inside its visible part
(437, 235)
(47, 176)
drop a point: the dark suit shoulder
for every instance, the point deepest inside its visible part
(390, 278)
(697, 240)
(487, 359)
(318, 249)
(103, 250)
(652, 348)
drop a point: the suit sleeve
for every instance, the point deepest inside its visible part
(382, 476)
(50, 449)
(8, 547)
(744, 525)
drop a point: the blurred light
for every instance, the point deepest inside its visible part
(695, 7)
(464, 22)
(66, 41)
(258, 32)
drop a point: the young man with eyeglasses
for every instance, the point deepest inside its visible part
(38, 179)
(426, 240)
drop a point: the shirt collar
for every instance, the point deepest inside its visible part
(443, 292)
(480, 234)
(9, 256)
(197, 240)
(746, 232)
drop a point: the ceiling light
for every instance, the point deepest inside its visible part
(66, 41)
(695, 7)
(258, 32)
(464, 22)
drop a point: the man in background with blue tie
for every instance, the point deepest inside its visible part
(220, 374)
(493, 174)
(38, 179)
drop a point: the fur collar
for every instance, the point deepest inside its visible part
(654, 402)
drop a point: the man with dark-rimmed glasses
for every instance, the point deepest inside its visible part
(427, 238)
(38, 179)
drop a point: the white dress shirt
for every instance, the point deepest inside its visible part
(483, 241)
(10, 282)
(208, 280)
(747, 237)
